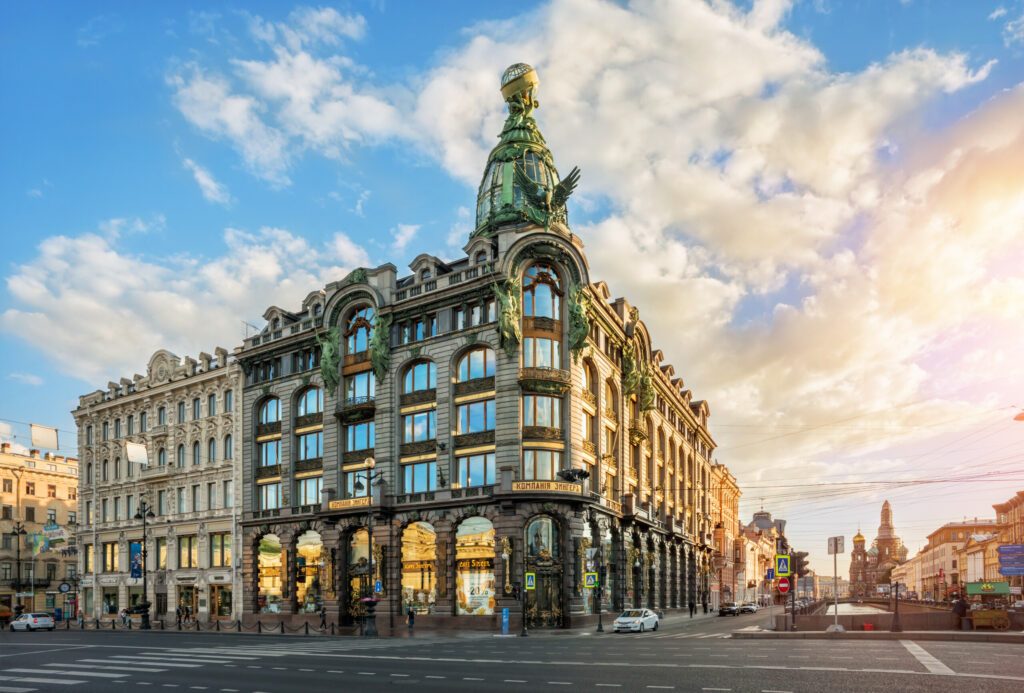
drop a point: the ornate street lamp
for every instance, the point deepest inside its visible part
(18, 531)
(144, 513)
(372, 479)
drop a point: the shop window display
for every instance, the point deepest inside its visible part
(271, 573)
(474, 561)
(309, 569)
(419, 567)
(358, 570)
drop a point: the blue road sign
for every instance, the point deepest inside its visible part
(782, 565)
(378, 586)
(770, 575)
(1011, 571)
(1010, 549)
(504, 621)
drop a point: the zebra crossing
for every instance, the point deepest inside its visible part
(117, 667)
(701, 636)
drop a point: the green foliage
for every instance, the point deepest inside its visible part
(510, 313)
(579, 320)
(637, 378)
(330, 359)
(380, 346)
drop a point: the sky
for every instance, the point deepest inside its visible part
(817, 205)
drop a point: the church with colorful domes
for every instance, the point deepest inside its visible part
(872, 567)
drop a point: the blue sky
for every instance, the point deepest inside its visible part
(107, 149)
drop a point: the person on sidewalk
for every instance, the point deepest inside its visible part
(411, 618)
(323, 618)
(705, 605)
(693, 608)
(960, 609)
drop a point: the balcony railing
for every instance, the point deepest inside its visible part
(355, 409)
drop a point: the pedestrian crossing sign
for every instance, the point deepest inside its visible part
(531, 581)
(590, 580)
(782, 565)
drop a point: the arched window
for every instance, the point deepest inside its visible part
(161, 416)
(426, 275)
(270, 411)
(359, 329)
(474, 564)
(421, 375)
(542, 539)
(211, 451)
(117, 467)
(419, 567)
(309, 582)
(88, 473)
(270, 565)
(476, 363)
(541, 292)
(311, 401)
(228, 447)
(161, 457)
(195, 453)
(611, 401)
(180, 460)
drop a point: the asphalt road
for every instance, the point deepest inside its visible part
(683, 655)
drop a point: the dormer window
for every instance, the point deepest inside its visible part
(317, 309)
(276, 324)
(481, 257)
(426, 275)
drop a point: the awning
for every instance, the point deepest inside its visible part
(982, 588)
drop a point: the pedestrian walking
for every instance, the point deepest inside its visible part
(323, 618)
(177, 615)
(693, 608)
(411, 618)
(705, 605)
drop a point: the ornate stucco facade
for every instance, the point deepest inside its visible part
(184, 412)
(483, 420)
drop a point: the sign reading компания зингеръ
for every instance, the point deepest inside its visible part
(559, 486)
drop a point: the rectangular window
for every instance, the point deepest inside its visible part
(220, 550)
(419, 426)
(188, 551)
(8, 485)
(72, 517)
(72, 493)
(270, 453)
(51, 515)
(117, 428)
(88, 512)
(356, 485)
(88, 435)
(475, 315)
(143, 422)
(195, 498)
(541, 464)
(30, 488)
(117, 508)
(541, 410)
(228, 495)
(87, 561)
(110, 556)
(131, 424)
(211, 405)
(476, 470)
(459, 319)
(106, 430)
(359, 436)
(541, 352)
(311, 446)
(129, 507)
(195, 409)
(161, 553)
(161, 416)
(476, 417)
(229, 401)
(161, 502)
(420, 477)
(104, 510)
(491, 310)
(30, 514)
(270, 496)
(181, 412)
(179, 504)
(51, 490)
(360, 387)
(211, 495)
(307, 491)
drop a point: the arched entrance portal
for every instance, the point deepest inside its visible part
(543, 560)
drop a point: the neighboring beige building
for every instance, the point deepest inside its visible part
(183, 411)
(760, 541)
(38, 495)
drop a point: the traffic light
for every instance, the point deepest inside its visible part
(800, 566)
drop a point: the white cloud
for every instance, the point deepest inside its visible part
(98, 312)
(997, 13)
(1013, 31)
(34, 192)
(212, 190)
(310, 26)
(118, 226)
(7, 436)
(402, 235)
(98, 28)
(26, 379)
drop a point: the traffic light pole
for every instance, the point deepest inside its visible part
(792, 604)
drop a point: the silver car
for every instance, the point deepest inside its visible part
(34, 621)
(636, 620)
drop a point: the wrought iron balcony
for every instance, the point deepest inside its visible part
(355, 409)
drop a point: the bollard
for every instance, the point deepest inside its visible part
(239, 627)
(197, 625)
(113, 624)
(307, 627)
(218, 625)
(97, 624)
(129, 623)
(259, 626)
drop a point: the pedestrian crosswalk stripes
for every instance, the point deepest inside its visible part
(76, 665)
(37, 679)
(15, 689)
(93, 674)
(678, 636)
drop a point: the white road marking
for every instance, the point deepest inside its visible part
(31, 679)
(14, 689)
(514, 681)
(436, 677)
(609, 685)
(76, 665)
(933, 665)
(96, 674)
(399, 676)
(559, 683)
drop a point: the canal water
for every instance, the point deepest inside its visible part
(853, 609)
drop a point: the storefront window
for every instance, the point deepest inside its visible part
(109, 600)
(271, 564)
(358, 570)
(419, 567)
(474, 559)
(309, 570)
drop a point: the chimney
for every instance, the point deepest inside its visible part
(5, 447)
(34, 454)
(204, 360)
(48, 456)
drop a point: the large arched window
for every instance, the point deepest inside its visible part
(309, 578)
(419, 567)
(311, 401)
(270, 411)
(421, 375)
(359, 329)
(542, 538)
(541, 292)
(476, 363)
(229, 450)
(474, 565)
(195, 453)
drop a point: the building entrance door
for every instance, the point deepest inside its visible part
(544, 602)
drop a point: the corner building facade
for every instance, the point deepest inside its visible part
(442, 437)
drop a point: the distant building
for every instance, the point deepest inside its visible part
(872, 567)
(38, 497)
(937, 571)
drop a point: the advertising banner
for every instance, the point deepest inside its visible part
(135, 558)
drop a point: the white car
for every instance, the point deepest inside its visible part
(636, 620)
(37, 621)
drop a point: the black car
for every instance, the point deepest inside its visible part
(729, 609)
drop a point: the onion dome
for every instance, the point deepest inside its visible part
(520, 182)
(858, 538)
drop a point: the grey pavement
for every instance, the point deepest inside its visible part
(681, 656)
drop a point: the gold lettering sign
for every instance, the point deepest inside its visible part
(475, 563)
(345, 503)
(559, 486)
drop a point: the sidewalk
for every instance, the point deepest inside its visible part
(861, 635)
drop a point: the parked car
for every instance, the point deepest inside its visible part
(748, 608)
(33, 621)
(636, 620)
(729, 609)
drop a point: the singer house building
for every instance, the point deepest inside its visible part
(494, 432)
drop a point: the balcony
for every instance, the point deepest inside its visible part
(351, 410)
(474, 386)
(309, 420)
(472, 491)
(470, 440)
(545, 381)
(311, 465)
(589, 447)
(268, 429)
(268, 471)
(422, 447)
(542, 433)
(637, 432)
(588, 397)
(418, 397)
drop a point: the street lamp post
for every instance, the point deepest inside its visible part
(896, 626)
(598, 591)
(18, 531)
(145, 513)
(372, 479)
